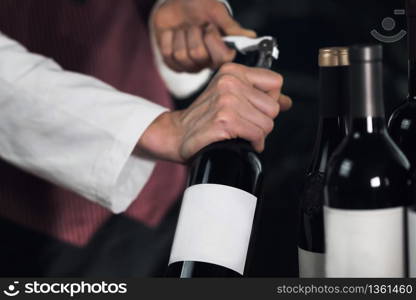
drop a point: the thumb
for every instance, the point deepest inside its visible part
(228, 26)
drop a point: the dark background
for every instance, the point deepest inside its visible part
(301, 28)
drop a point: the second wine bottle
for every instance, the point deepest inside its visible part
(333, 79)
(402, 127)
(367, 186)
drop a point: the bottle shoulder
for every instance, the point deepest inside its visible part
(228, 163)
(229, 147)
(368, 172)
(370, 156)
(322, 153)
(406, 108)
(402, 127)
(311, 198)
(330, 134)
(229, 152)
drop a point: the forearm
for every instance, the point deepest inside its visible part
(70, 129)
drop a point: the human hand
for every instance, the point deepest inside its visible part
(189, 34)
(240, 102)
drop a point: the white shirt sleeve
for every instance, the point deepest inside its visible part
(180, 84)
(70, 129)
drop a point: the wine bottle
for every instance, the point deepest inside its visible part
(367, 185)
(402, 123)
(333, 63)
(411, 229)
(215, 226)
(402, 126)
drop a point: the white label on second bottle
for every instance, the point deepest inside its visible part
(364, 243)
(412, 242)
(214, 226)
(311, 264)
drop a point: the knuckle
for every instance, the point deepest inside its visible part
(198, 53)
(224, 118)
(279, 80)
(181, 55)
(227, 100)
(229, 68)
(226, 82)
(274, 110)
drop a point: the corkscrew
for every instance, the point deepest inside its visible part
(265, 47)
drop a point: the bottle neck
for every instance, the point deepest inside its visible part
(368, 125)
(411, 25)
(332, 92)
(330, 134)
(332, 101)
(366, 90)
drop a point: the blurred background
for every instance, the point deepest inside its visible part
(301, 28)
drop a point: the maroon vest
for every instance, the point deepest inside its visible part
(107, 39)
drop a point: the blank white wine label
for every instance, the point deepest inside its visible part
(364, 243)
(214, 226)
(412, 242)
(311, 264)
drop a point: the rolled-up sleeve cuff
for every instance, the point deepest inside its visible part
(120, 176)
